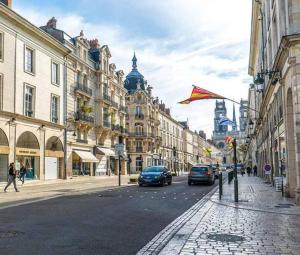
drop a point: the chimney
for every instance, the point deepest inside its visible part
(7, 2)
(52, 23)
(94, 44)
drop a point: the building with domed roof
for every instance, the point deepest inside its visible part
(142, 121)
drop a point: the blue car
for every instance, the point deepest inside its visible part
(155, 175)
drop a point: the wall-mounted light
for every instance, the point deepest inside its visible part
(251, 123)
(274, 76)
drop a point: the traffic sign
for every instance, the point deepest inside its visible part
(119, 149)
(267, 169)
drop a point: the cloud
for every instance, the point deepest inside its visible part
(178, 43)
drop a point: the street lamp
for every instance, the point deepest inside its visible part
(174, 156)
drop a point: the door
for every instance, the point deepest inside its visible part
(51, 168)
(3, 167)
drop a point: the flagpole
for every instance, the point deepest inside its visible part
(240, 104)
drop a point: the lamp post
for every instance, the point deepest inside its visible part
(129, 162)
(236, 194)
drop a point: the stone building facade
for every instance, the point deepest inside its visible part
(142, 121)
(274, 64)
(32, 65)
(95, 103)
(171, 133)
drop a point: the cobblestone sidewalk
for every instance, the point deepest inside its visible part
(262, 223)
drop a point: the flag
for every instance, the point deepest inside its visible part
(199, 94)
(228, 139)
(224, 121)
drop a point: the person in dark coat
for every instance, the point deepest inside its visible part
(23, 172)
(11, 177)
(249, 170)
(255, 170)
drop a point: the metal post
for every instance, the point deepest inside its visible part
(220, 186)
(236, 193)
(119, 169)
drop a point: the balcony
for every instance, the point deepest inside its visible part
(139, 149)
(123, 108)
(139, 116)
(81, 116)
(114, 104)
(115, 128)
(83, 89)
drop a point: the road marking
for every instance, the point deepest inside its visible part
(163, 197)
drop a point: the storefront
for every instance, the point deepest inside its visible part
(4, 151)
(106, 157)
(82, 162)
(54, 155)
(28, 154)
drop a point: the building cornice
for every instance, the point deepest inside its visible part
(19, 117)
(24, 24)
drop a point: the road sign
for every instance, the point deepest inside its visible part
(119, 149)
(267, 169)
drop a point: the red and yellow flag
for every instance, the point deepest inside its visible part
(199, 94)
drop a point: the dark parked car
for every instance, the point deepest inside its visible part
(159, 175)
(201, 173)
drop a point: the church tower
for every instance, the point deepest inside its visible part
(234, 127)
(243, 114)
(220, 111)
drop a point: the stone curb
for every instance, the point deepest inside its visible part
(157, 244)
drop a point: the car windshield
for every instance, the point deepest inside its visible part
(200, 169)
(153, 169)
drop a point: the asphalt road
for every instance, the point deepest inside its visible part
(119, 221)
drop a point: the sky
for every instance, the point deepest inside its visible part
(178, 43)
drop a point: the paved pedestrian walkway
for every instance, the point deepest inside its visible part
(261, 223)
(41, 190)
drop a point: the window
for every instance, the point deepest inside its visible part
(54, 109)
(29, 60)
(1, 91)
(138, 110)
(1, 46)
(29, 101)
(55, 73)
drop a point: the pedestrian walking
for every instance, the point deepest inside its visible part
(249, 170)
(11, 177)
(23, 172)
(255, 170)
(242, 171)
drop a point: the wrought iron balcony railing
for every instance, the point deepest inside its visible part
(83, 88)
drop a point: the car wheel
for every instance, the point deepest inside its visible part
(170, 183)
(140, 184)
(162, 183)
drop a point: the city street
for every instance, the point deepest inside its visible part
(113, 221)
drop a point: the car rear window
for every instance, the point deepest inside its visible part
(153, 169)
(200, 169)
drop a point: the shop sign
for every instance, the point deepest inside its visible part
(27, 152)
(4, 150)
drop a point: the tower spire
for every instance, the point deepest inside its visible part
(134, 60)
(234, 118)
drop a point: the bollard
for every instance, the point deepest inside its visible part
(220, 185)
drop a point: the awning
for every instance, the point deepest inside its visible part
(106, 151)
(86, 156)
